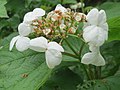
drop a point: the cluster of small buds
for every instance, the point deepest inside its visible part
(58, 23)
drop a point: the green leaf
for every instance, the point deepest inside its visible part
(28, 2)
(111, 8)
(110, 72)
(114, 28)
(63, 79)
(15, 6)
(110, 52)
(69, 1)
(3, 12)
(111, 83)
(22, 70)
(76, 43)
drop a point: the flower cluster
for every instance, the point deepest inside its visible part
(59, 23)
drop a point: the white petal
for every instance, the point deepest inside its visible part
(93, 58)
(99, 60)
(53, 58)
(38, 12)
(29, 17)
(102, 17)
(92, 16)
(39, 44)
(61, 8)
(104, 26)
(87, 58)
(94, 48)
(24, 29)
(89, 33)
(55, 46)
(94, 35)
(12, 42)
(22, 43)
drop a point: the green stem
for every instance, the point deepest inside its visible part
(91, 72)
(82, 5)
(72, 55)
(86, 71)
(97, 72)
(71, 47)
(81, 48)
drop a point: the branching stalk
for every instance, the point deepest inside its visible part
(72, 55)
(71, 47)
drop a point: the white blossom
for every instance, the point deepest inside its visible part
(96, 29)
(95, 33)
(59, 7)
(22, 42)
(93, 58)
(35, 14)
(52, 50)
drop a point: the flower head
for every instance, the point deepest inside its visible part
(52, 50)
(22, 42)
(95, 33)
(96, 29)
(59, 7)
(93, 58)
(35, 14)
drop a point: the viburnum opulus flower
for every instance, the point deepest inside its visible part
(96, 29)
(35, 14)
(21, 41)
(24, 29)
(52, 50)
(95, 33)
(94, 57)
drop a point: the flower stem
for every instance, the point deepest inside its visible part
(81, 48)
(91, 72)
(97, 72)
(72, 55)
(86, 71)
(70, 46)
(82, 7)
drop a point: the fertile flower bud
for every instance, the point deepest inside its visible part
(78, 16)
(72, 30)
(62, 26)
(46, 31)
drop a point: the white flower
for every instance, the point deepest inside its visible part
(22, 42)
(94, 57)
(35, 14)
(59, 7)
(24, 29)
(96, 29)
(52, 50)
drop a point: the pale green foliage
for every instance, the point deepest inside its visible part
(3, 12)
(22, 71)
